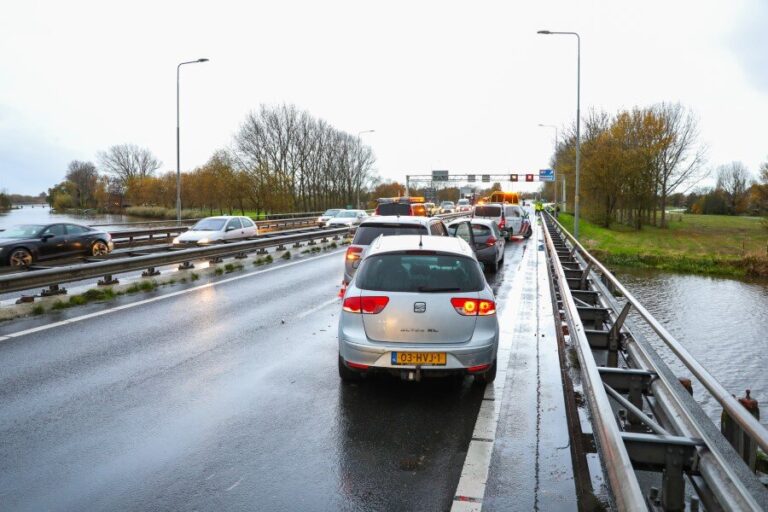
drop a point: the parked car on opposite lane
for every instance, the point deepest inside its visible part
(419, 306)
(23, 245)
(327, 215)
(213, 230)
(346, 218)
(485, 238)
(373, 227)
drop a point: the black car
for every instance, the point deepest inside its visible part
(21, 246)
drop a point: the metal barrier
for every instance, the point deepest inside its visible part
(676, 439)
(272, 216)
(53, 277)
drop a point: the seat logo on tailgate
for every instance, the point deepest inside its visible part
(419, 307)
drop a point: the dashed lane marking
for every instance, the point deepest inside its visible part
(162, 297)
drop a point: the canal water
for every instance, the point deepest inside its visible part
(722, 322)
(42, 214)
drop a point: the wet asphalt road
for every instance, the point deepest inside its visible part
(226, 397)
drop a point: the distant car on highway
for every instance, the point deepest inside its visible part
(347, 218)
(512, 219)
(431, 209)
(485, 238)
(463, 205)
(21, 246)
(419, 306)
(447, 207)
(214, 230)
(373, 227)
(328, 215)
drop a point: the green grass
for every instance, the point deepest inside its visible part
(286, 255)
(703, 244)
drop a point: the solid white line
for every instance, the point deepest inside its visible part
(470, 490)
(159, 298)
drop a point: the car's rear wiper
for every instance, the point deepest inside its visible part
(426, 289)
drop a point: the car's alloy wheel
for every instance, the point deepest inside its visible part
(99, 248)
(20, 258)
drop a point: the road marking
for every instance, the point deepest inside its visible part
(318, 307)
(234, 485)
(159, 298)
(470, 490)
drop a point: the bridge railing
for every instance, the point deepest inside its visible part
(678, 425)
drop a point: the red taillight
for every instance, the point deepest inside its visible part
(478, 368)
(491, 241)
(353, 253)
(342, 290)
(502, 223)
(473, 307)
(358, 366)
(366, 305)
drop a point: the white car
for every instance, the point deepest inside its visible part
(347, 218)
(463, 206)
(212, 230)
(328, 215)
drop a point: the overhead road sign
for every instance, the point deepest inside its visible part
(529, 177)
(471, 177)
(486, 178)
(439, 175)
(513, 177)
(546, 175)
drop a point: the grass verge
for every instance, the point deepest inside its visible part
(700, 244)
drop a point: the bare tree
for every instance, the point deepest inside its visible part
(680, 158)
(128, 161)
(734, 180)
(84, 177)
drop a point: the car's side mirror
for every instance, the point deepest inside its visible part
(231, 228)
(46, 237)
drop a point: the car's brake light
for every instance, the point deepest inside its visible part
(353, 253)
(502, 223)
(473, 307)
(371, 305)
(491, 241)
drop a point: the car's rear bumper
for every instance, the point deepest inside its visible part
(479, 350)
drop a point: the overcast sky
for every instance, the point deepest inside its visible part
(446, 85)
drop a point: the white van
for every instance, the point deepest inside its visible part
(512, 218)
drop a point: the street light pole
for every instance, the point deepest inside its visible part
(555, 183)
(578, 124)
(178, 143)
(358, 182)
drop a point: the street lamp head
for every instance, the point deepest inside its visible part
(546, 32)
(202, 60)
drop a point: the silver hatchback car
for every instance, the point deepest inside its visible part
(418, 306)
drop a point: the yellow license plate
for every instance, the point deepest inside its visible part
(419, 358)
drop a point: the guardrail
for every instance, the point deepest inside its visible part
(678, 439)
(53, 277)
(272, 216)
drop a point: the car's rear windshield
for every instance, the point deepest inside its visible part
(420, 272)
(209, 225)
(487, 211)
(394, 209)
(368, 232)
(331, 213)
(480, 230)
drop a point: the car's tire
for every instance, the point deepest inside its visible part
(20, 258)
(528, 233)
(99, 248)
(493, 267)
(347, 374)
(488, 376)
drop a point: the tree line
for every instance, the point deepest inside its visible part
(281, 159)
(634, 162)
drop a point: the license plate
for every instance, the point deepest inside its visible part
(419, 358)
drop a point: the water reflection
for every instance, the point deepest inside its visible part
(42, 214)
(722, 322)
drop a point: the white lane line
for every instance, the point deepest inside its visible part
(159, 298)
(474, 474)
(234, 485)
(317, 308)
